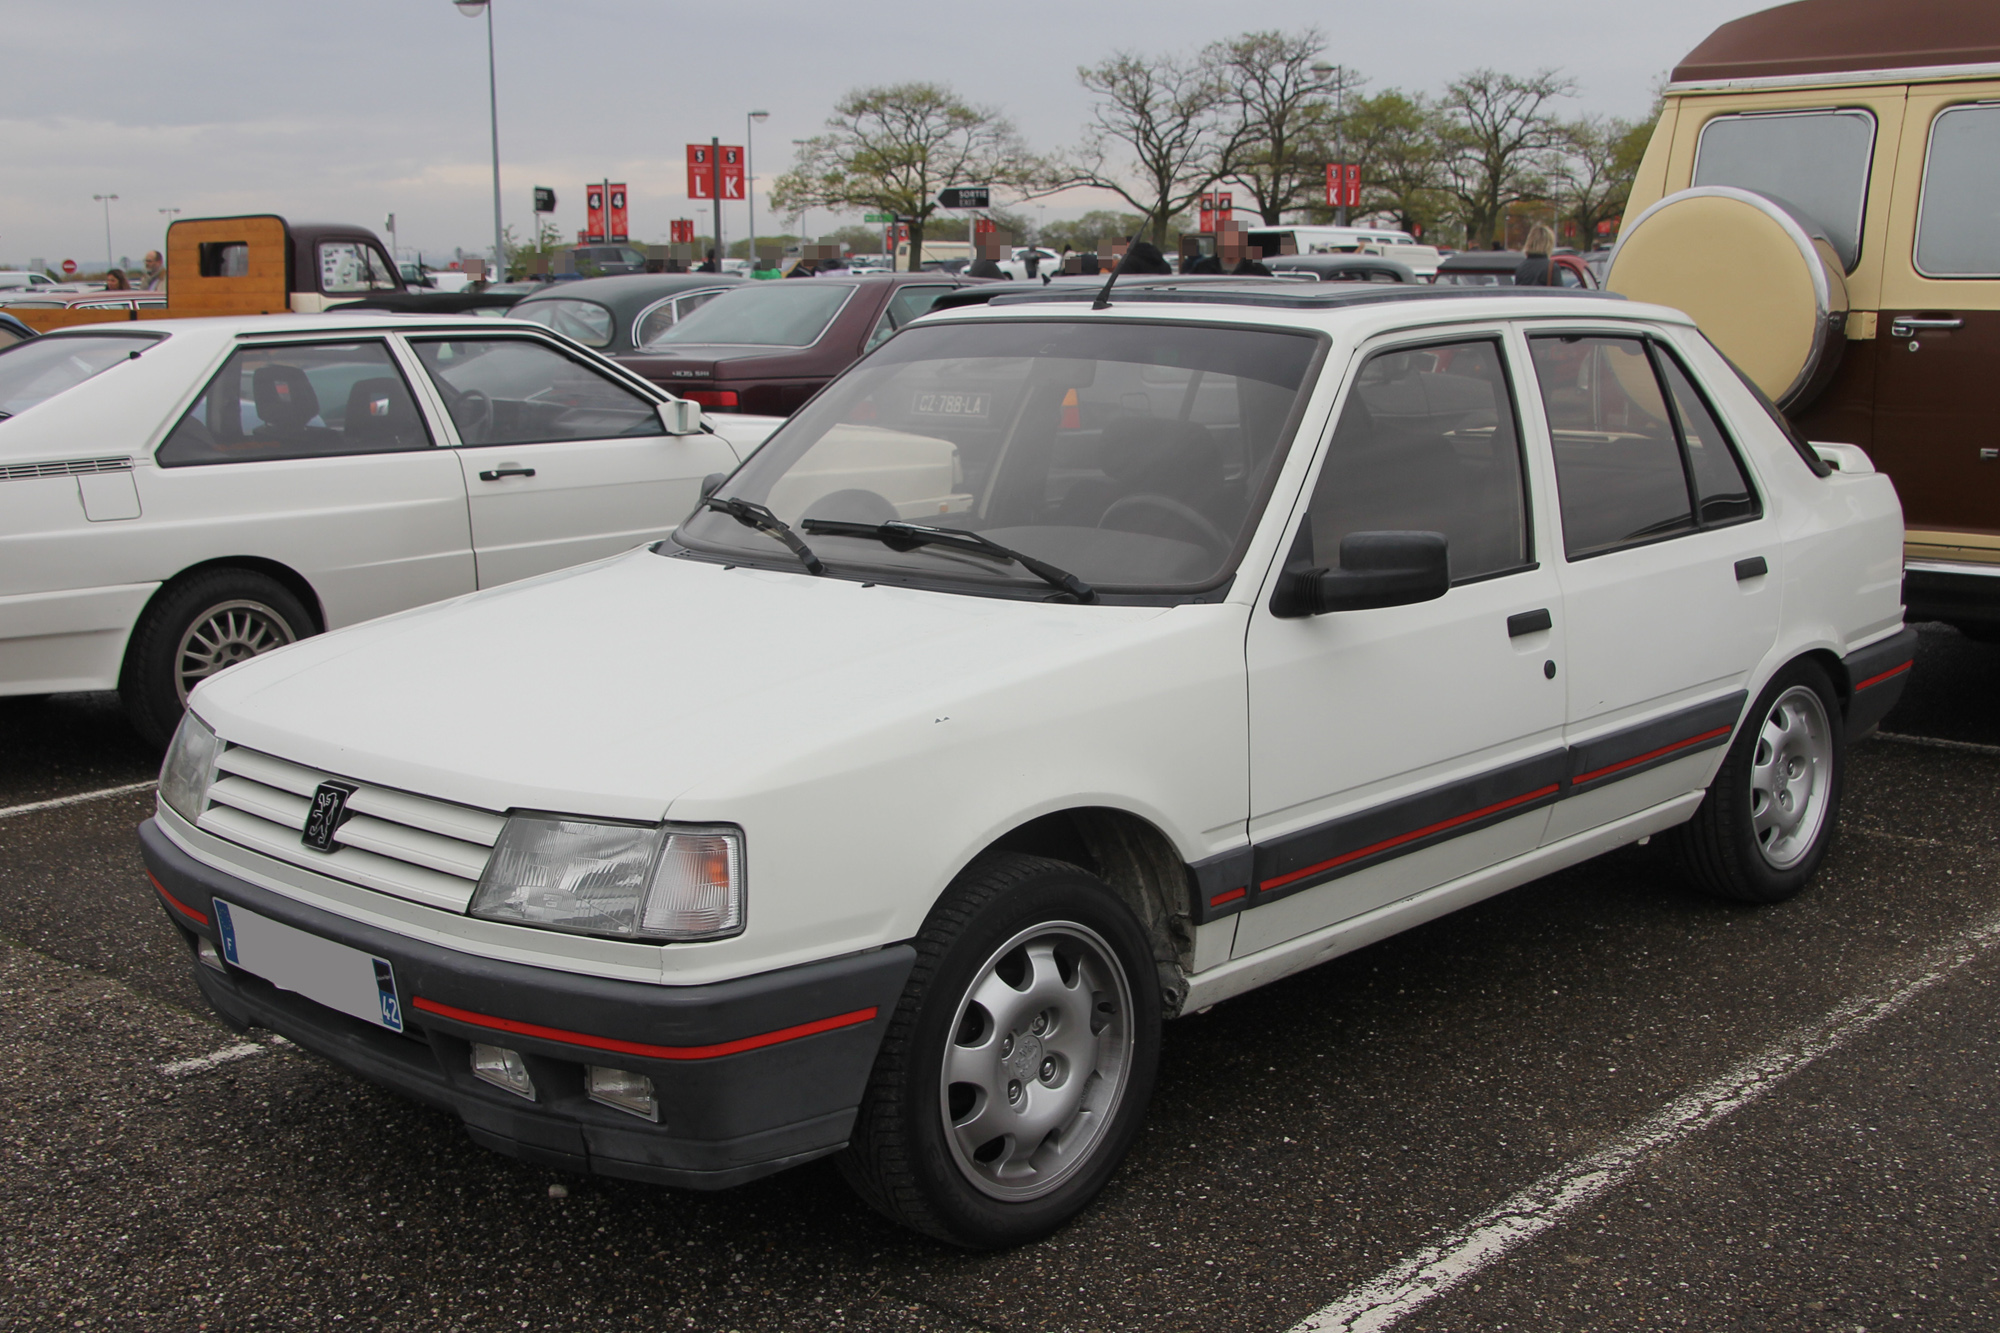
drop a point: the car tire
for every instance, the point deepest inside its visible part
(1037, 985)
(194, 628)
(1767, 820)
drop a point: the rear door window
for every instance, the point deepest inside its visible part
(517, 391)
(1958, 225)
(1817, 161)
(299, 400)
(908, 303)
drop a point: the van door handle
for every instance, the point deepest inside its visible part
(1528, 622)
(1904, 325)
(500, 472)
(1751, 568)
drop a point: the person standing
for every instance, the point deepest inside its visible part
(1539, 269)
(710, 265)
(114, 280)
(987, 265)
(156, 273)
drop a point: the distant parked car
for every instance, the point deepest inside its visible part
(42, 298)
(768, 346)
(599, 261)
(1496, 268)
(179, 495)
(10, 278)
(1341, 268)
(615, 315)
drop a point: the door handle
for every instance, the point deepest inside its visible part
(1528, 622)
(1751, 568)
(1904, 325)
(500, 472)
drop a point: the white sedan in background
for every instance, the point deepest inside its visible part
(180, 495)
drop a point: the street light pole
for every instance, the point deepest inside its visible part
(750, 180)
(805, 233)
(106, 199)
(472, 9)
(1338, 75)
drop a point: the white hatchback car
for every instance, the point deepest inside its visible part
(176, 496)
(1055, 671)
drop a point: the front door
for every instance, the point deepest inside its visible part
(1937, 399)
(1671, 572)
(563, 463)
(1394, 749)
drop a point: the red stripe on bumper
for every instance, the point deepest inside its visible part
(177, 903)
(1411, 836)
(1596, 773)
(646, 1049)
(1878, 679)
(1229, 897)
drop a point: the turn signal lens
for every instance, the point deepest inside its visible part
(697, 890)
(622, 1090)
(502, 1068)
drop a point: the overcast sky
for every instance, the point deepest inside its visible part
(345, 110)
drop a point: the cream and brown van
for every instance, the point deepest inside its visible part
(1822, 194)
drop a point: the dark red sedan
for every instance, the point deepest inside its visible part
(766, 347)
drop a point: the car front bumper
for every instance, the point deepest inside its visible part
(751, 1075)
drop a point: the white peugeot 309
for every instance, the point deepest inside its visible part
(1057, 671)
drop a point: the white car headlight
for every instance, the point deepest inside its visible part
(189, 768)
(627, 881)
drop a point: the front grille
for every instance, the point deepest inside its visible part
(393, 842)
(68, 467)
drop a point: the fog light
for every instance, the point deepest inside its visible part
(205, 950)
(623, 1090)
(503, 1069)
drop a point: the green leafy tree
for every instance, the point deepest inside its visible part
(891, 149)
(521, 259)
(1399, 141)
(1501, 142)
(1085, 232)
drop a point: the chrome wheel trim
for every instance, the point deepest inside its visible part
(1037, 1060)
(225, 634)
(1791, 775)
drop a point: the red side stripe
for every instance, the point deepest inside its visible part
(1892, 671)
(651, 1052)
(1229, 897)
(183, 907)
(1411, 836)
(1596, 773)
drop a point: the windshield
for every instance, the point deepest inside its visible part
(773, 314)
(44, 367)
(586, 321)
(1134, 456)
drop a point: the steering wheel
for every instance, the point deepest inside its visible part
(1187, 516)
(474, 416)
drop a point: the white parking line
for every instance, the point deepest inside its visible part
(78, 799)
(1437, 1268)
(1936, 743)
(227, 1055)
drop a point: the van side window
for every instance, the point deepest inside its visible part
(299, 400)
(1815, 160)
(1956, 235)
(1427, 442)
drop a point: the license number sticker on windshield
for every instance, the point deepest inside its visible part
(951, 405)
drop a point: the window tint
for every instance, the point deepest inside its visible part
(1427, 443)
(904, 306)
(659, 318)
(515, 391)
(1815, 160)
(299, 401)
(352, 266)
(1958, 229)
(1618, 465)
(586, 321)
(41, 368)
(1720, 487)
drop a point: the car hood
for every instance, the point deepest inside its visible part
(614, 688)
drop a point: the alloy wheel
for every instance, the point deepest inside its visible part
(1791, 776)
(224, 635)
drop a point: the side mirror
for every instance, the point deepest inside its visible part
(1376, 569)
(680, 417)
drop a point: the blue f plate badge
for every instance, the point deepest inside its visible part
(343, 978)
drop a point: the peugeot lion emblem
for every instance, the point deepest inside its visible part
(328, 812)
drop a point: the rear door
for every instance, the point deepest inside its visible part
(563, 462)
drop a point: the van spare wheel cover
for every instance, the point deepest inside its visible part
(1759, 278)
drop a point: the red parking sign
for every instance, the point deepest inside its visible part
(701, 172)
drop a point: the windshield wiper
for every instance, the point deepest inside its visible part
(753, 515)
(900, 536)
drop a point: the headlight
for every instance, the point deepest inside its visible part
(628, 881)
(190, 768)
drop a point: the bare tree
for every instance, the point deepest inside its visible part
(1283, 115)
(891, 149)
(1502, 138)
(1594, 176)
(1168, 117)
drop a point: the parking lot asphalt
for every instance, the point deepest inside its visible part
(1305, 1141)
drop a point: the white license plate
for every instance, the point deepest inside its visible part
(319, 969)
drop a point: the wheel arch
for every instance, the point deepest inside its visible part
(284, 575)
(1140, 863)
